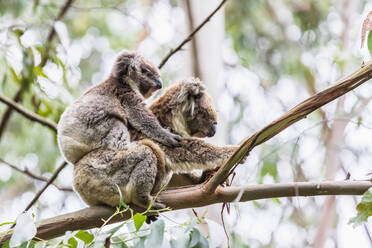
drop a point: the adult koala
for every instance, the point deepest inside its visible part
(186, 109)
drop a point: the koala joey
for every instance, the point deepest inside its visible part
(103, 115)
(141, 171)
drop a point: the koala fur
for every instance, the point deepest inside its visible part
(142, 171)
(101, 117)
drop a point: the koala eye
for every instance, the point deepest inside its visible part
(144, 71)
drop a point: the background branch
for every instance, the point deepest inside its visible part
(188, 38)
(297, 113)
(28, 114)
(32, 175)
(49, 182)
(194, 197)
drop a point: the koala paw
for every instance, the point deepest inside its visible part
(172, 140)
(151, 218)
(158, 205)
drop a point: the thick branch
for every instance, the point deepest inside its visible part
(195, 197)
(188, 38)
(32, 175)
(297, 113)
(28, 114)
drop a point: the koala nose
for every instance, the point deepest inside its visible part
(212, 130)
(158, 83)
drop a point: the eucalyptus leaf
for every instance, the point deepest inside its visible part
(24, 230)
(84, 236)
(198, 240)
(155, 239)
(139, 219)
(369, 42)
(140, 243)
(72, 242)
(364, 209)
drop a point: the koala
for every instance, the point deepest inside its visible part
(103, 116)
(140, 172)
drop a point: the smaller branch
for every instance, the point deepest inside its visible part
(49, 182)
(194, 47)
(297, 113)
(34, 176)
(28, 114)
(8, 112)
(188, 38)
(52, 31)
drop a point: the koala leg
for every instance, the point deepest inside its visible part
(142, 178)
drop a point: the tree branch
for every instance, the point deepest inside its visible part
(32, 175)
(28, 114)
(16, 98)
(194, 48)
(297, 113)
(49, 182)
(189, 37)
(195, 197)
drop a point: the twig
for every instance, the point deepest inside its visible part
(28, 114)
(297, 113)
(194, 47)
(52, 31)
(49, 182)
(17, 97)
(34, 176)
(194, 197)
(188, 38)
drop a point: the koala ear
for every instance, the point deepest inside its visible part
(124, 64)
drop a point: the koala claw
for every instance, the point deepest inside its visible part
(151, 218)
(173, 140)
(158, 205)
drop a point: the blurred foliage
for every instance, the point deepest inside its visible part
(271, 39)
(364, 209)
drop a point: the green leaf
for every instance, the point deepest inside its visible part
(139, 219)
(7, 223)
(369, 42)
(60, 63)
(155, 239)
(14, 76)
(24, 230)
(31, 244)
(41, 50)
(39, 72)
(84, 236)
(72, 242)
(268, 168)
(6, 244)
(121, 201)
(364, 209)
(198, 240)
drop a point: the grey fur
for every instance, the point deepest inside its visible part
(142, 170)
(100, 118)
